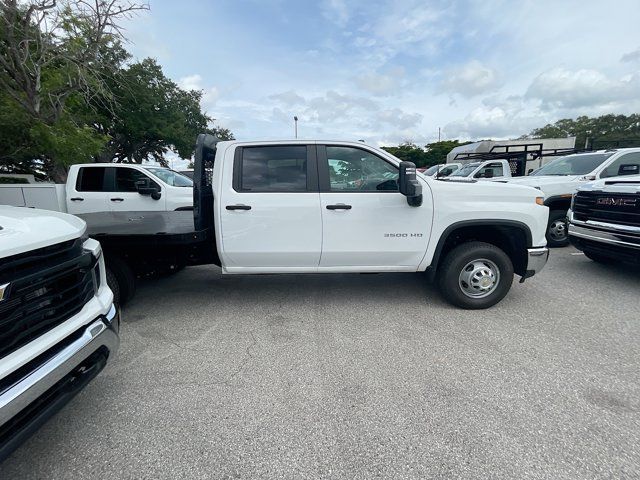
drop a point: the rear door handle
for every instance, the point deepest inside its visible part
(117, 199)
(77, 199)
(238, 207)
(339, 206)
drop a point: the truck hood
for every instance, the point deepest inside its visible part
(24, 229)
(624, 184)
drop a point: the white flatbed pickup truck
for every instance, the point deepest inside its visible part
(58, 323)
(334, 207)
(559, 179)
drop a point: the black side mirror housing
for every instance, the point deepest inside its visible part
(145, 187)
(409, 185)
(628, 169)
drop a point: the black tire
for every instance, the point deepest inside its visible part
(483, 254)
(596, 257)
(557, 234)
(123, 280)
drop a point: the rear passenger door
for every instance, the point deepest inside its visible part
(269, 209)
(88, 194)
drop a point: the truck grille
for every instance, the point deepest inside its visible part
(618, 208)
(45, 287)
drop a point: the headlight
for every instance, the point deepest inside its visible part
(540, 200)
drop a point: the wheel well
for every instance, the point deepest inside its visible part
(513, 239)
(558, 203)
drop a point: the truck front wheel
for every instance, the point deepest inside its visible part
(475, 275)
(557, 229)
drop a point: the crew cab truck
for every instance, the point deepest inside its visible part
(559, 179)
(127, 208)
(491, 169)
(335, 207)
(604, 220)
(58, 323)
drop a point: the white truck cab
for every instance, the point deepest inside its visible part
(106, 187)
(58, 322)
(559, 179)
(487, 170)
(299, 206)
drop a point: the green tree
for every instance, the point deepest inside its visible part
(597, 132)
(149, 116)
(436, 152)
(433, 153)
(409, 152)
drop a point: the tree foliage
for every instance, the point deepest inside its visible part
(67, 94)
(433, 153)
(595, 132)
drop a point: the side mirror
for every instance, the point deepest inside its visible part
(529, 172)
(145, 187)
(409, 185)
(628, 169)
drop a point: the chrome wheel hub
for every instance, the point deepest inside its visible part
(479, 278)
(558, 230)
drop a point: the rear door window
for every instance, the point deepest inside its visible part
(92, 179)
(277, 168)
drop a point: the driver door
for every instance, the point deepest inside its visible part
(124, 196)
(366, 221)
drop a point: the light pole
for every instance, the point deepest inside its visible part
(295, 125)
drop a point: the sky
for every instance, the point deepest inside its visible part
(394, 71)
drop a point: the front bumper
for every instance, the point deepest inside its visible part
(613, 241)
(28, 401)
(536, 260)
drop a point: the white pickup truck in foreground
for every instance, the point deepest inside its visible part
(338, 207)
(559, 179)
(58, 323)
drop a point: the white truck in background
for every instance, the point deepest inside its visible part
(487, 170)
(58, 323)
(559, 179)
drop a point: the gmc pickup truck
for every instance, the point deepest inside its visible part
(336, 207)
(604, 220)
(559, 179)
(58, 323)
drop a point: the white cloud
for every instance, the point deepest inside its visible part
(210, 95)
(471, 79)
(381, 84)
(560, 88)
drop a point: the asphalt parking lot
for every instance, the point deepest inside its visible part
(359, 376)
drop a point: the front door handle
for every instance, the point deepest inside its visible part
(117, 199)
(77, 199)
(339, 206)
(238, 207)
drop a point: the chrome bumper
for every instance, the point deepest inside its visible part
(596, 232)
(102, 332)
(536, 259)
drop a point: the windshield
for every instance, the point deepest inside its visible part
(573, 164)
(171, 177)
(431, 170)
(465, 171)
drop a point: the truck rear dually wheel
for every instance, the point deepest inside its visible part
(475, 275)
